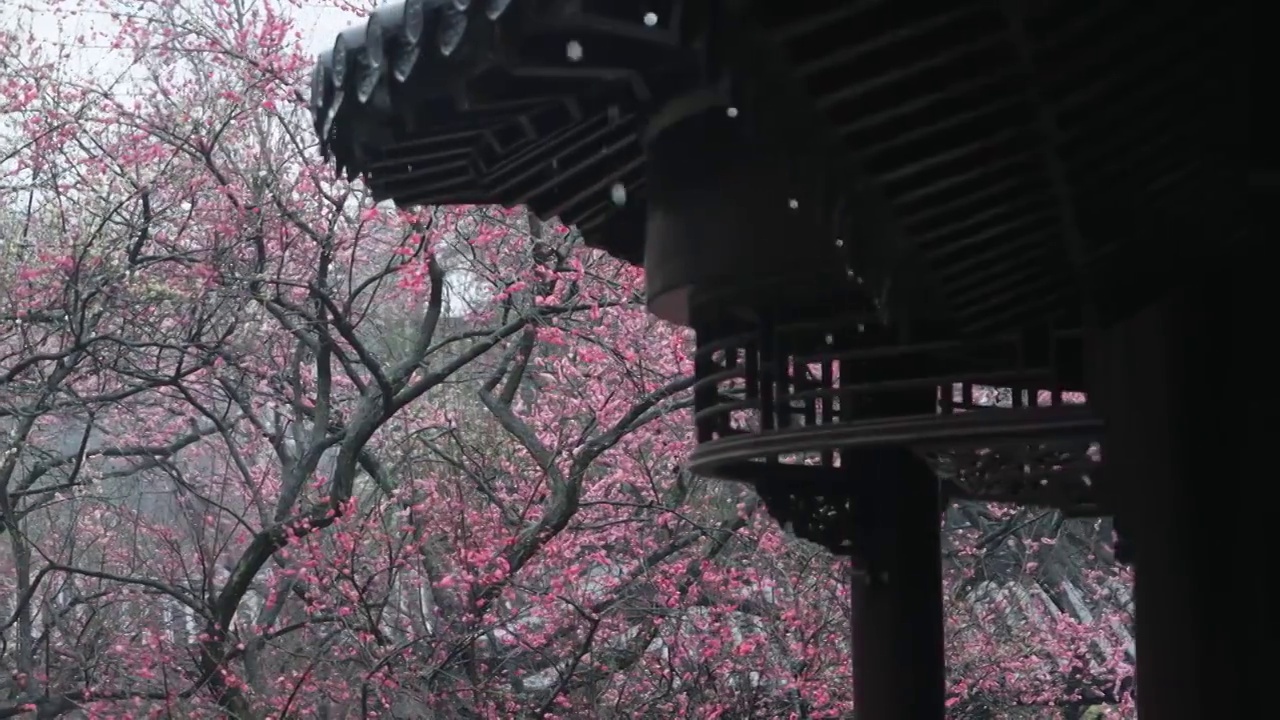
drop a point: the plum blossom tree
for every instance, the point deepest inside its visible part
(1039, 616)
(271, 450)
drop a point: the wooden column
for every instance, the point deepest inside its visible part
(899, 665)
(1183, 386)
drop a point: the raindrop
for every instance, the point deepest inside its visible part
(650, 19)
(839, 242)
(618, 193)
(731, 112)
(573, 51)
(404, 63)
(495, 8)
(453, 27)
(368, 83)
(793, 203)
(830, 339)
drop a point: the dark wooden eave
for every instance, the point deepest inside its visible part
(1036, 158)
